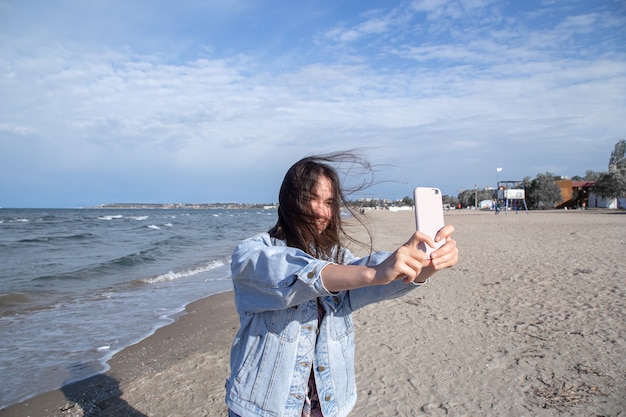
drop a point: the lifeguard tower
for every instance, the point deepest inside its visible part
(512, 195)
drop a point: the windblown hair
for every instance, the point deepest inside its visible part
(296, 221)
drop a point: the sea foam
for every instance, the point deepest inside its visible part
(171, 275)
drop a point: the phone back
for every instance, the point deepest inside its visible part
(428, 214)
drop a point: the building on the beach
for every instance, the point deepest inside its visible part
(578, 194)
(575, 193)
(604, 202)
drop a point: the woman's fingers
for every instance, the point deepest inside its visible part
(408, 261)
(446, 256)
(444, 232)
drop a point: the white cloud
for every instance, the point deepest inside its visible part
(17, 129)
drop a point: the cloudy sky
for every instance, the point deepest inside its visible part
(107, 101)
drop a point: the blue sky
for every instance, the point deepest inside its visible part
(189, 101)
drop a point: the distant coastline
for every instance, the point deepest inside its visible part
(185, 206)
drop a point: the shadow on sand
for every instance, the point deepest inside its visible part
(97, 396)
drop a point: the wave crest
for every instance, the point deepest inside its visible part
(172, 276)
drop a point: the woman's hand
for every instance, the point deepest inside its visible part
(412, 264)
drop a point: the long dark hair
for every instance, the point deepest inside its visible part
(296, 221)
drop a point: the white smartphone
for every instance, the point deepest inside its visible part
(428, 214)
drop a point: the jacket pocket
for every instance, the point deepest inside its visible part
(284, 324)
(266, 372)
(250, 359)
(342, 326)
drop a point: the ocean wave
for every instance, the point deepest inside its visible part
(111, 266)
(172, 276)
(51, 218)
(79, 275)
(16, 220)
(111, 217)
(12, 299)
(153, 226)
(79, 236)
(12, 303)
(158, 252)
(139, 217)
(120, 216)
(137, 258)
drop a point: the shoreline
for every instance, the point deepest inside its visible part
(152, 355)
(530, 322)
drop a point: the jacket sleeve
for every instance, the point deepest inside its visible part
(268, 275)
(361, 297)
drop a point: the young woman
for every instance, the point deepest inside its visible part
(295, 290)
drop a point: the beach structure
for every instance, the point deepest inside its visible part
(575, 193)
(511, 195)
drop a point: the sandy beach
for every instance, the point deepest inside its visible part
(531, 322)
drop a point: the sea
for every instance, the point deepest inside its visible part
(79, 285)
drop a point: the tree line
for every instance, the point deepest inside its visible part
(542, 192)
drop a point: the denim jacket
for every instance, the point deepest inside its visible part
(280, 339)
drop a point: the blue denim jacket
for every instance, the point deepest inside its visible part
(280, 340)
